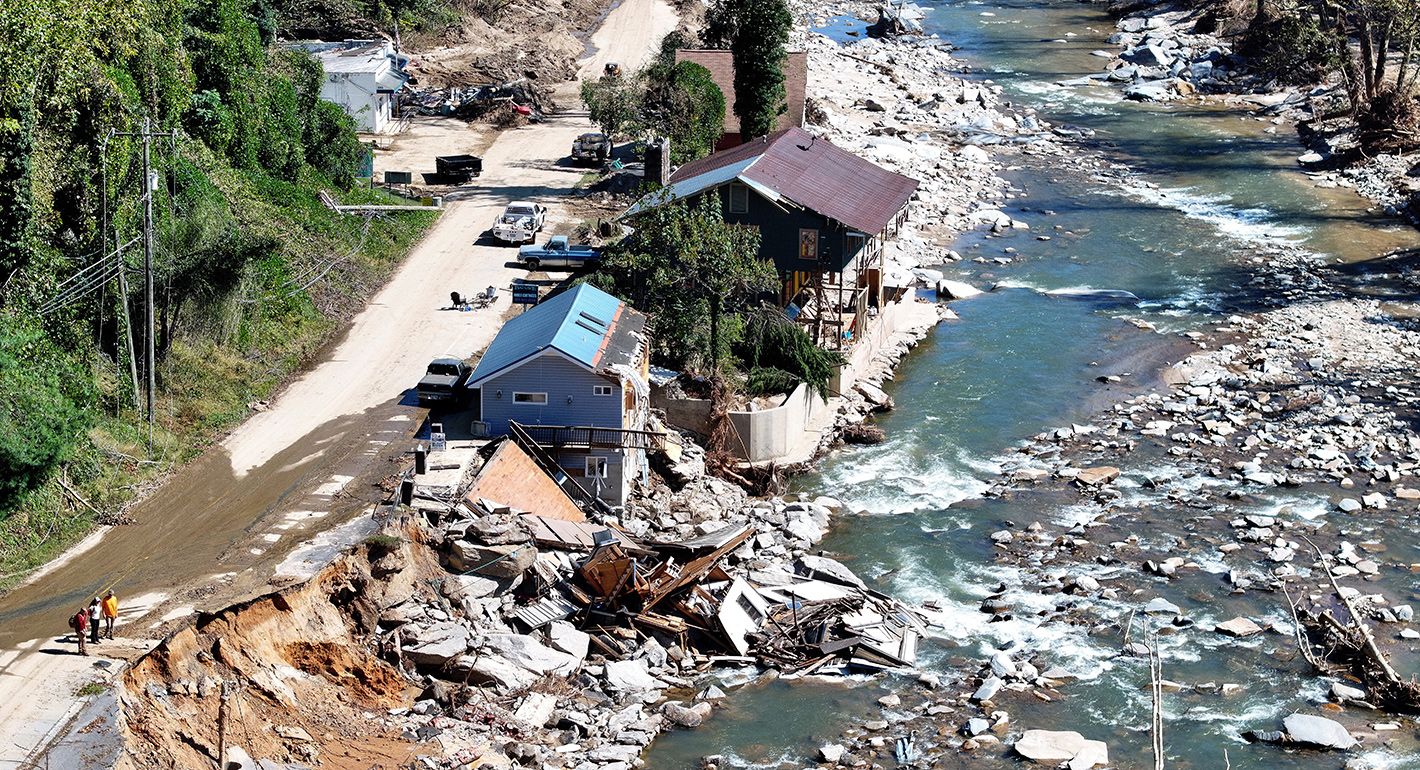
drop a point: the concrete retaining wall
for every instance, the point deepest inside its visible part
(776, 433)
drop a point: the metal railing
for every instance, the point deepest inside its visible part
(585, 500)
(586, 437)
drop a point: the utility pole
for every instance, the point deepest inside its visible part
(122, 274)
(149, 355)
(150, 187)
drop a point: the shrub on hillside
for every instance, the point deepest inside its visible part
(44, 400)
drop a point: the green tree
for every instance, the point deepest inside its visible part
(614, 104)
(722, 24)
(331, 144)
(696, 274)
(778, 355)
(44, 402)
(759, 50)
(681, 101)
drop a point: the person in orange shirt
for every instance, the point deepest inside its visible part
(110, 612)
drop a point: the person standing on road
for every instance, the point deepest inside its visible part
(80, 623)
(95, 612)
(110, 612)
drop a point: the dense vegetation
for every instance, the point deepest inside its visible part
(759, 57)
(242, 239)
(678, 100)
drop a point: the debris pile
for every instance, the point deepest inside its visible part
(691, 578)
(473, 102)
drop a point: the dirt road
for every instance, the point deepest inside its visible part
(214, 532)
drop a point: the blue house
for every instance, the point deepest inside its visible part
(571, 374)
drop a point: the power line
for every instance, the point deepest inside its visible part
(82, 271)
(79, 292)
(94, 276)
(364, 232)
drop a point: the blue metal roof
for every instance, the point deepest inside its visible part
(575, 323)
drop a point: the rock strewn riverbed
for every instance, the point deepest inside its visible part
(1167, 52)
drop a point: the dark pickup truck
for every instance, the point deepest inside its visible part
(558, 252)
(443, 381)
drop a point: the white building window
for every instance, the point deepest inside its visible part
(739, 199)
(595, 468)
(529, 398)
(601, 390)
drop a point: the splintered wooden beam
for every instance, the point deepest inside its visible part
(697, 569)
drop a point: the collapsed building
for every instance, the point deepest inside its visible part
(519, 622)
(564, 561)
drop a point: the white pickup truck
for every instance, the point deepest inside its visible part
(519, 222)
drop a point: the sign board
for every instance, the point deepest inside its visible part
(398, 177)
(438, 442)
(526, 293)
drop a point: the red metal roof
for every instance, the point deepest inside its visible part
(816, 174)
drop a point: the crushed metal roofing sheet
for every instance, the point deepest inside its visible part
(552, 607)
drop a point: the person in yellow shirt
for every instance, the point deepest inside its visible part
(110, 612)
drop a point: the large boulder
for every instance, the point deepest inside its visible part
(531, 654)
(1053, 747)
(1148, 55)
(487, 668)
(565, 637)
(680, 715)
(1318, 731)
(956, 289)
(1238, 627)
(536, 709)
(631, 676)
(1097, 476)
(495, 529)
(435, 645)
(824, 568)
(802, 526)
(469, 586)
(494, 561)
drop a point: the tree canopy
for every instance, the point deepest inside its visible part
(759, 50)
(696, 275)
(678, 100)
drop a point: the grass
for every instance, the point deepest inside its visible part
(91, 689)
(383, 543)
(225, 356)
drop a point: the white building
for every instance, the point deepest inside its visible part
(361, 76)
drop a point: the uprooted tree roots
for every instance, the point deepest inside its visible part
(1329, 643)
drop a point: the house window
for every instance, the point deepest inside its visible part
(529, 398)
(601, 390)
(748, 608)
(739, 199)
(595, 468)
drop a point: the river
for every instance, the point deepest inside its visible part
(1211, 187)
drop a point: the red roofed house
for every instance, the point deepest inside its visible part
(823, 215)
(722, 69)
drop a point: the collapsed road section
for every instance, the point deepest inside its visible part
(518, 622)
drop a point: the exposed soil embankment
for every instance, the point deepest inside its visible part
(541, 41)
(287, 676)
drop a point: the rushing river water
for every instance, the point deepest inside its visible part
(1213, 185)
